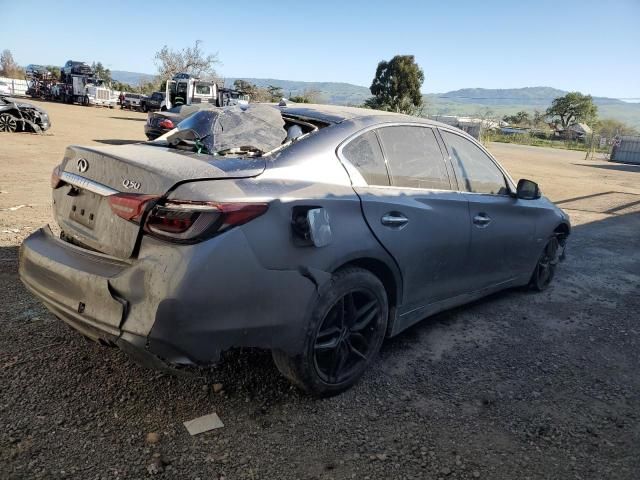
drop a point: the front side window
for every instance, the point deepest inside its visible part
(414, 157)
(473, 167)
(203, 89)
(364, 153)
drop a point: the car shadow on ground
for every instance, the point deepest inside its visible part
(130, 118)
(116, 141)
(250, 372)
(619, 167)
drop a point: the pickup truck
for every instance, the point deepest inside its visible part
(133, 101)
(153, 102)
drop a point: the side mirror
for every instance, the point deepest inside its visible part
(527, 190)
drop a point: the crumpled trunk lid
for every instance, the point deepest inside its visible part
(83, 211)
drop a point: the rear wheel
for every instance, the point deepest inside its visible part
(8, 123)
(345, 332)
(546, 266)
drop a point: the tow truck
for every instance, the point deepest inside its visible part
(187, 89)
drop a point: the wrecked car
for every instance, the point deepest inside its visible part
(16, 115)
(159, 123)
(313, 231)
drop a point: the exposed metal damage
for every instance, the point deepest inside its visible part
(20, 116)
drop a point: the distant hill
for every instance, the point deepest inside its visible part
(466, 101)
(500, 102)
(329, 92)
(132, 78)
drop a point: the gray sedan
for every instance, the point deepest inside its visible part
(312, 231)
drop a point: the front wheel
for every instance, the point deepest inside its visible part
(345, 332)
(546, 266)
(8, 123)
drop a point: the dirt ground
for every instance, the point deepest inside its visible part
(518, 385)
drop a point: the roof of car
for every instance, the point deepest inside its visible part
(338, 113)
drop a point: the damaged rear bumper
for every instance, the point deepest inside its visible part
(175, 306)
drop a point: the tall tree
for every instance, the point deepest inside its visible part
(275, 93)
(8, 66)
(190, 60)
(609, 127)
(396, 85)
(101, 72)
(245, 87)
(572, 108)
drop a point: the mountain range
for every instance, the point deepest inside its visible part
(466, 101)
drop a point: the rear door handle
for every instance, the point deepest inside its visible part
(394, 220)
(482, 220)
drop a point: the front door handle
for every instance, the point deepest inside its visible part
(481, 220)
(394, 219)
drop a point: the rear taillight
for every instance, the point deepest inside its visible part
(189, 222)
(56, 181)
(166, 123)
(130, 206)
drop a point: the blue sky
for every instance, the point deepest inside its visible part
(590, 46)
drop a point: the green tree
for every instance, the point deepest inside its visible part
(520, 118)
(539, 119)
(101, 72)
(572, 108)
(275, 93)
(8, 66)
(245, 87)
(396, 85)
(149, 87)
(608, 127)
(55, 71)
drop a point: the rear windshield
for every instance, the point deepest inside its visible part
(254, 130)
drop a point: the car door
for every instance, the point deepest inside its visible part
(409, 204)
(503, 227)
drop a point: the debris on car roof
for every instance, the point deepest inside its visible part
(260, 127)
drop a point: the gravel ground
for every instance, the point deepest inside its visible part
(518, 385)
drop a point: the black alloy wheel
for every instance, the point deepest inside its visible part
(347, 336)
(8, 123)
(546, 266)
(343, 334)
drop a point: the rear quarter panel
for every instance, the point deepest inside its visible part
(305, 174)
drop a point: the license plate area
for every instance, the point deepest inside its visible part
(84, 208)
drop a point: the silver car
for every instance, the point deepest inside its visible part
(313, 231)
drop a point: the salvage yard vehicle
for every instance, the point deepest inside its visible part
(186, 89)
(159, 123)
(5, 89)
(16, 115)
(314, 231)
(153, 102)
(133, 101)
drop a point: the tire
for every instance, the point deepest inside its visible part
(546, 267)
(8, 123)
(344, 333)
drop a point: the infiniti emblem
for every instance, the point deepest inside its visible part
(83, 165)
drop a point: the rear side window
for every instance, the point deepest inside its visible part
(473, 167)
(414, 156)
(364, 153)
